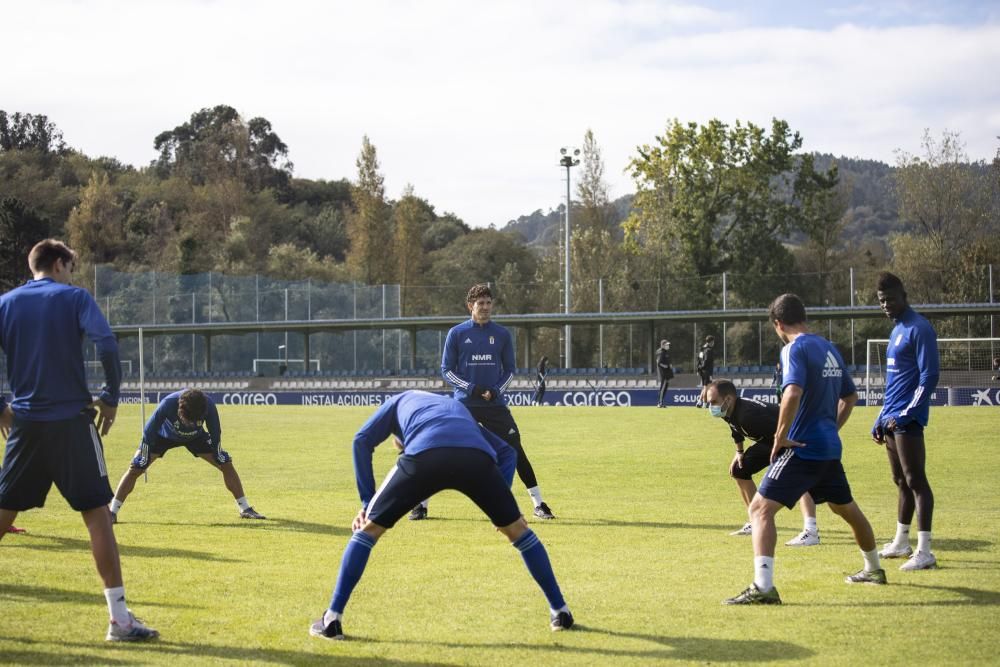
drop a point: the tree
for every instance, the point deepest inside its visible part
(411, 217)
(25, 131)
(952, 207)
(95, 226)
(369, 228)
(216, 144)
(20, 229)
(721, 199)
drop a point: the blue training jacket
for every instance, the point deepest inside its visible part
(912, 370)
(165, 423)
(478, 355)
(424, 421)
(42, 328)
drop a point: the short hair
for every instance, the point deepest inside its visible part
(724, 387)
(192, 405)
(477, 292)
(888, 281)
(787, 309)
(709, 339)
(44, 254)
(664, 342)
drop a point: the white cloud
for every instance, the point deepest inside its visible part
(471, 101)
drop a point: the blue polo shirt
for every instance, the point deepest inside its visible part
(814, 364)
(43, 325)
(424, 421)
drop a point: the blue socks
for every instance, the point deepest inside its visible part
(537, 560)
(352, 566)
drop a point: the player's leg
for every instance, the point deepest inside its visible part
(139, 465)
(810, 533)
(912, 454)
(220, 459)
(501, 423)
(78, 468)
(663, 392)
(755, 458)
(409, 481)
(6, 521)
(24, 481)
(899, 547)
(479, 479)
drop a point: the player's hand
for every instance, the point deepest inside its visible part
(487, 395)
(891, 425)
(6, 421)
(105, 416)
(737, 464)
(878, 435)
(359, 521)
(783, 443)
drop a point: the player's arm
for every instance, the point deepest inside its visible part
(738, 440)
(506, 456)
(848, 398)
(507, 366)
(96, 328)
(449, 365)
(925, 347)
(213, 425)
(791, 397)
(155, 421)
(6, 417)
(371, 434)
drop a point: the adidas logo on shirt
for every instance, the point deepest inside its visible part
(468, 341)
(831, 369)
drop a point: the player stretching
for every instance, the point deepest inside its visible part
(178, 421)
(50, 422)
(817, 400)
(442, 448)
(911, 361)
(478, 361)
(758, 422)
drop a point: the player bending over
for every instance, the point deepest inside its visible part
(442, 448)
(758, 422)
(179, 420)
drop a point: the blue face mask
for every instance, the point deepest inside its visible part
(716, 410)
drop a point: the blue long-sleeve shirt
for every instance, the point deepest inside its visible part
(424, 421)
(165, 422)
(43, 324)
(478, 355)
(912, 370)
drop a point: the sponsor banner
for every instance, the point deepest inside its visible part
(595, 397)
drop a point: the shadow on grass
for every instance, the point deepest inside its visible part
(958, 544)
(57, 543)
(59, 595)
(268, 524)
(325, 653)
(724, 528)
(686, 649)
(971, 597)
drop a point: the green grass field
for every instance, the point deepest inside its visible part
(640, 547)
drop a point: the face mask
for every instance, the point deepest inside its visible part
(716, 410)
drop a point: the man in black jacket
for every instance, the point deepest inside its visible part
(705, 368)
(664, 370)
(758, 422)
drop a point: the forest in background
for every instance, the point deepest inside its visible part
(722, 213)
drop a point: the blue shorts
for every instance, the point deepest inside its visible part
(469, 471)
(790, 476)
(68, 453)
(197, 447)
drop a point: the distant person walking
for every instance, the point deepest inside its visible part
(664, 371)
(543, 370)
(705, 368)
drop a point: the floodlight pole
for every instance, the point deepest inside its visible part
(570, 158)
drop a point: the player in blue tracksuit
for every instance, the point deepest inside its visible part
(817, 400)
(179, 421)
(49, 424)
(912, 370)
(478, 361)
(442, 447)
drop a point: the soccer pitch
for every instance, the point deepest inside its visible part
(640, 547)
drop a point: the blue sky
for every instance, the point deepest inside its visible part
(470, 101)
